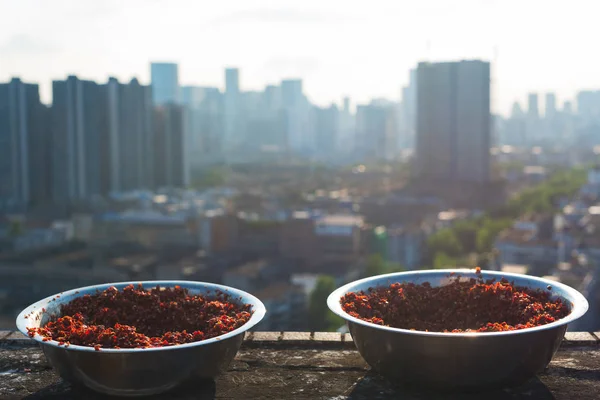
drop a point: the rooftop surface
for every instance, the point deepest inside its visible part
(302, 365)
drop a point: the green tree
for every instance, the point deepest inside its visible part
(466, 233)
(376, 265)
(442, 260)
(485, 240)
(212, 177)
(320, 318)
(445, 241)
(15, 229)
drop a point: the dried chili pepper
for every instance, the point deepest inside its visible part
(139, 318)
(460, 306)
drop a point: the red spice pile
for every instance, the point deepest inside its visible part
(139, 318)
(471, 306)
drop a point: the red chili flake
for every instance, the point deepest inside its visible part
(471, 306)
(139, 318)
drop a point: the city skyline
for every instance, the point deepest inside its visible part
(357, 52)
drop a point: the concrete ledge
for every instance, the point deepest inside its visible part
(580, 339)
(13, 335)
(304, 365)
(329, 338)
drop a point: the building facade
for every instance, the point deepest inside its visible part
(24, 154)
(295, 108)
(233, 135)
(171, 161)
(453, 122)
(80, 169)
(130, 135)
(165, 83)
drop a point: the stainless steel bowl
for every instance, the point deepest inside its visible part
(139, 372)
(458, 359)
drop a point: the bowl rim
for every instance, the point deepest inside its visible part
(258, 313)
(580, 303)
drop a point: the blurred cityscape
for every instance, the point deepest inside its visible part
(266, 192)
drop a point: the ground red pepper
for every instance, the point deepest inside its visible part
(460, 306)
(139, 318)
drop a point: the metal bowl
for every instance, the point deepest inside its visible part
(459, 360)
(139, 372)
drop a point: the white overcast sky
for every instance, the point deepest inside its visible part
(359, 48)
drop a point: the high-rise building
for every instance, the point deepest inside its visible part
(130, 141)
(291, 92)
(453, 121)
(203, 123)
(516, 110)
(326, 127)
(165, 83)
(232, 80)
(408, 110)
(375, 133)
(192, 96)
(588, 105)
(550, 106)
(40, 151)
(295, 106)
(171, 159)
(273, 100)
(568, 108)
(346, 132)
(79, 125)
(346, 105)
(533, 110)
(24, 155)
(234, 127)
(266, 120)
(533, 128)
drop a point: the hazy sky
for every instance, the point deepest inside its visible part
(358, 48)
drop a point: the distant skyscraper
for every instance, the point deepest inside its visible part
(371, 133)
(234, 129)
(165, 83)
(203, 122)
(346, 132)
(516, 110)
(533, 110)
(408, 110)
(24, 154)
(192, 96)
(295, 106)
(453, 121)
(588, 105)
(550, 107)
(171, 163)
(291, 92)
(232, 80)
(568, 107)
(79, 125)
(273, 98)
(326, 128)
(130, 136)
